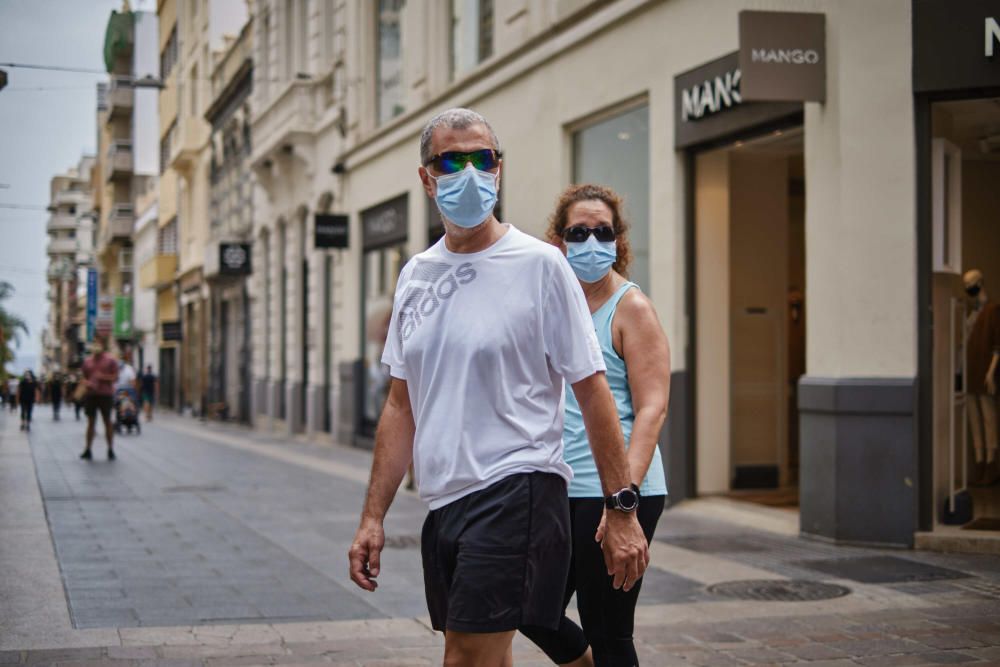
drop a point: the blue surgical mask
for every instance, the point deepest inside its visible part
(592, 259)
(467, 197)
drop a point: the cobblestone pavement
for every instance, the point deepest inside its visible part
(214, 545)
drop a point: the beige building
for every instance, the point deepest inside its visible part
(128, 154)
(231, 207)
(70, 251)
(189, 32)
(782, 230)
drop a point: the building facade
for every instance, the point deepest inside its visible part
(760, 218)
(190, 32)
(231, 209)
(128, 154)
(70, 252)
(805, 184)
(299, 92)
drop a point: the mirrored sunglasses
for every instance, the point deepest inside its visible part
(453, 161)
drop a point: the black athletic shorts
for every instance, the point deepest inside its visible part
(498, 558)
(92, 403)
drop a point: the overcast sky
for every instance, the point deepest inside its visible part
(47, 121)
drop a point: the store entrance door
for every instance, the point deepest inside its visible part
(965, 171)
(750, 301)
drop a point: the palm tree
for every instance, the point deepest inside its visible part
(11, 328)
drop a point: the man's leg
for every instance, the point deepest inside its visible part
(109, 431)
(91, 418)
(488, 649)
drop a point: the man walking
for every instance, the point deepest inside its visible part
(486, 326)
(100, 373)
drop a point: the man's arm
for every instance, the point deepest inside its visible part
(626, 552)
(393, 453)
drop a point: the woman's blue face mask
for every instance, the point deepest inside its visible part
(592, 259)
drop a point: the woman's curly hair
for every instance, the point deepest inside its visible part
(590, 192)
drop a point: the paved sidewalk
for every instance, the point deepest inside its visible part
(215, 545)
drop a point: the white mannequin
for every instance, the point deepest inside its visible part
(982, 386)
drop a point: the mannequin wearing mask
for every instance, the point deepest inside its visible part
(982, 357)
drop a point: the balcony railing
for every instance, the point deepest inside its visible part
(188, 140)
(121, 97)
(119, 163)
(118, 226)
(61, 246)
(71, 198)
(158, 272)
(61, 222)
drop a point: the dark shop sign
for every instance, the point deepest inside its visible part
(783, 56)
(234, 259)
(385, 224)
(956, 45)
(709, 103)
(331, 231)
(171, 330)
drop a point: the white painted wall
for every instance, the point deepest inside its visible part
(144, 300)
(860, 197)
(713, 400)
(145, 114)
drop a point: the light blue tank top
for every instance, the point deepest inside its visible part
(586, 482)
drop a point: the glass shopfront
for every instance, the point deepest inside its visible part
(614, 151)
(958, 151)
(384, 230)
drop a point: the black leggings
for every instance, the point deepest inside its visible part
(607, 615)
(26, 407)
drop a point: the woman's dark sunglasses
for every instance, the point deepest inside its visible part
(453, 162)
(579, 234)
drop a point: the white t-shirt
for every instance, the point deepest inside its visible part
(484, 341)
(126, 376)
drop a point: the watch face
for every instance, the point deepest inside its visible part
(627, 499)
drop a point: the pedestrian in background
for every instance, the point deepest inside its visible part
(148, 388)
(28, 391)
(72, 383)
(100, 373)
(486, 327)
(55, 395)
(588, 226)
(12, 385)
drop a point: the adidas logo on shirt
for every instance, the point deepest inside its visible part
(430, 284)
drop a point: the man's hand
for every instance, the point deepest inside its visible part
(366, 553)
(626, 551)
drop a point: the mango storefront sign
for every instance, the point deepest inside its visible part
(709, 103)
(783, 56)
(956, 45)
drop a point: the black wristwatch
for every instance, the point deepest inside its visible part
(625, 500)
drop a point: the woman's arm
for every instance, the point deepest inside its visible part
(646, 351)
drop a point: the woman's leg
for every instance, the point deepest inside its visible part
(565, 645)
(608, 615)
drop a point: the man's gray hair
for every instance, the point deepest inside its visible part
(454, 119)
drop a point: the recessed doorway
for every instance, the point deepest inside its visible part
(750, 300)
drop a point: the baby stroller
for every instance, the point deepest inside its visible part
(127, 410)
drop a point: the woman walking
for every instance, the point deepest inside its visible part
(589, 227)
